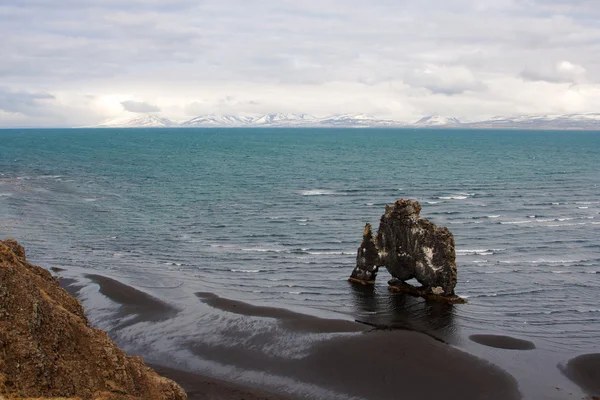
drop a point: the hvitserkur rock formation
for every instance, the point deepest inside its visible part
(409, 247)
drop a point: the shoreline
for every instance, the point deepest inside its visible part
(202, 387)
(351, 360)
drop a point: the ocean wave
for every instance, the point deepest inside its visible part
(478, 252)
(246, 271)
(301, 292)
(574, 224)
(550, 261)
(321, 192)
(262, 250)
(455, 197)
(515, 222)
(330, 253)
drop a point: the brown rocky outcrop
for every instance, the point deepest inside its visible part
(409, 247)
(48, 350)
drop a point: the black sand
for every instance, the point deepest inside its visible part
(372, 364)
(133, 301)
(71, 285)
(584, 370)
(199, 387)
(289, 319)
(503, 342)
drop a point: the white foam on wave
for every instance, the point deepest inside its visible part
(246, 271)
(478, 252)
(330, 253)
(555, 225)
(302, 220)
(433, 202)
(515, 222)
(583, 208)
(5, 194)
(455, 197)
(262, 250)
(493, 216)
(551, 261)
(49, 176)
(320, 192)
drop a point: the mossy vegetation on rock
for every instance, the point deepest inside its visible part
(48, 349)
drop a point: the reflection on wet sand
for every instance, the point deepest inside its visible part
(386, 310)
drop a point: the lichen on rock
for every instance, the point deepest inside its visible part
(48, 349)
(409, 247)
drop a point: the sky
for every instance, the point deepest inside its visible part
(80, 62)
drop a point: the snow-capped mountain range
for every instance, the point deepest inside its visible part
(437, 120)
(144, 121)
(569, 121)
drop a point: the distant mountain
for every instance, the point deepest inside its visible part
(145, 121)
(437, 120)
(568, 121)
(216, 121)
(357, 120)
(290, 120)
(279, 119)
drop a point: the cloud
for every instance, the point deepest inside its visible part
(139, 106)
(445, 80)
(25, 103)
(561, 72)
(398, 59)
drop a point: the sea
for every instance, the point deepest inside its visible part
(275, 216)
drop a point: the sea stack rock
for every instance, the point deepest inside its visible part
(409, 247)
(367, 260)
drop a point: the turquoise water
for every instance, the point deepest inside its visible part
(275, 216)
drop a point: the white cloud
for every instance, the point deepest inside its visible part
(445, 80)
(139, 106)
(397, 59)
(561, 72)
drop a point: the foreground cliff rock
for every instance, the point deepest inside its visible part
(409, 247)
(47, 348)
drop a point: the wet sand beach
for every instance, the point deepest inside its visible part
(344, 359)
(585, 371)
